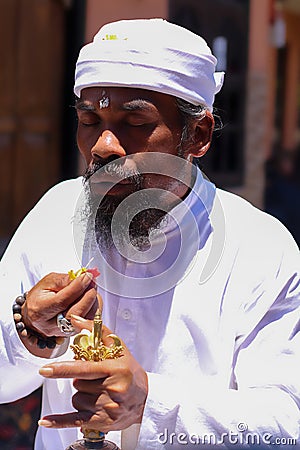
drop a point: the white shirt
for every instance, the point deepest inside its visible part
(220, 347)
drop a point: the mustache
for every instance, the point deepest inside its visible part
(94, 167)
(112, 168)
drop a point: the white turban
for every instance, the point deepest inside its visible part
(150, 54)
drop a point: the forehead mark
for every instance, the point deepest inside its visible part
(104, 100)
(138, 105)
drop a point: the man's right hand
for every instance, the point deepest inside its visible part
(54, 294)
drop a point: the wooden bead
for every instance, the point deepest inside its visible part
(17, 308)
(17, 317)
(20, 327)
(33, 337)
(41, 343)
(24, 333)
(20, 300)
(51, 343)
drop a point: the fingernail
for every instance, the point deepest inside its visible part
(87, 277)
(46, 423)
(46, 371)
(78, 318)
(78, 423)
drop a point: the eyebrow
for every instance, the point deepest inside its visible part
(84, 106)
(138, 105)
(131, 106)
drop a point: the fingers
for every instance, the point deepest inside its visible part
(70, 293)
(90, 402)
(86, 370)
(54, 282)
(92, 387)
(100, 302)
(80, 323)
(81, 307)
(98, 421)
(69, 420)
(53, 294)
(82, 319)
(92, 412)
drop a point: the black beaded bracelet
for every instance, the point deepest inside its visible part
(34, 337)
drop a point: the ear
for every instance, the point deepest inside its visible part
(201, 135)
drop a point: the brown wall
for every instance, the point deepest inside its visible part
(259, 104)
(98, 15)
(292, 100)
(30, 104)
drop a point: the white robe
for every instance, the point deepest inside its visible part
(221, 349)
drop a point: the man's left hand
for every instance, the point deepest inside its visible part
(111, 394)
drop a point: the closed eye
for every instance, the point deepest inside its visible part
(89, 124)
(138, 123)
(140, 120)
(88, 119)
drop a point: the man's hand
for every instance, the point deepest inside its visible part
(110, 395)
(56, 293)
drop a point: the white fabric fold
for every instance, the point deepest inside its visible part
(150, 54)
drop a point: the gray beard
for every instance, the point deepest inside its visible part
(147, 222)
(143, 226)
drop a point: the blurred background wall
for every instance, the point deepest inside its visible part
(256, 154)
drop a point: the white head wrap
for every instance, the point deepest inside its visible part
(150, 54)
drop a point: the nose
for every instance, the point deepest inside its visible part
(107, 145)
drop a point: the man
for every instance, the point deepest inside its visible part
(202, 288)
